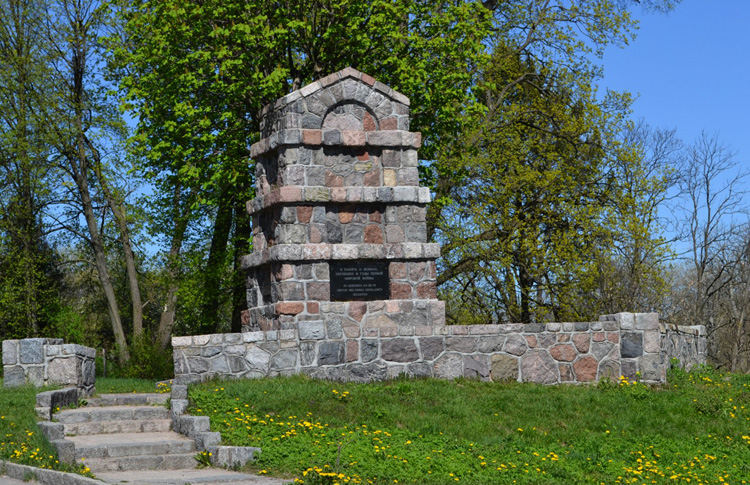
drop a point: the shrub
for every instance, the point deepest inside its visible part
(147, 361)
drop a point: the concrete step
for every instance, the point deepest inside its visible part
(131, 444)
(111, 413)
(128, 399)
(202, 476)
(178, 461)
(127, 426)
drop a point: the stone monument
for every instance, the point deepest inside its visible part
(339, 232)
(341, 283)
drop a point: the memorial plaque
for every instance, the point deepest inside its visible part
(359, 280)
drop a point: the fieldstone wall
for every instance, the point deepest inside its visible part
(685, 343)
(45, 361)
(551, 353)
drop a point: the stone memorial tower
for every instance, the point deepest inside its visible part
(339, 233)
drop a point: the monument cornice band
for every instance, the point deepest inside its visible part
(347, 195)
(339, 252)
(336, 138)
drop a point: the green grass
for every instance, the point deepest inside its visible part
(439, 432)
(120, 385)
(21, 441)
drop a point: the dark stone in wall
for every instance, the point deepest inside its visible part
(631, 345)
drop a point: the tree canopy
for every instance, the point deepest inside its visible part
(547, 195)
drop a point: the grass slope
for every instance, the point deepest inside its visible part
(435, 432)
(108, 385)
(21, 441)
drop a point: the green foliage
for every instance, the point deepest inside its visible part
(216, 85)
(29, 285)
(28, 280)
(147, 361)
(425, 431)
(72, 327)
(531, 197)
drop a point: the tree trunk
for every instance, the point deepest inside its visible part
(242, 238)
(100, 259)
(212, 281)
(166, 320)
(118, 211)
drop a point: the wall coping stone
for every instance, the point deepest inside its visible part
(697, 330)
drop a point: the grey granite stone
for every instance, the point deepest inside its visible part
(10, 352)
(631, 344)
(14, 376)
(399, 350)
(331, 353)
(368, 350)
(32, 351)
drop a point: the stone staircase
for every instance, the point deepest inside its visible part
(127, 432)
(128, 438)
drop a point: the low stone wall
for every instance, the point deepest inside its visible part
(45, 361)
(684, 343)
(551, 353)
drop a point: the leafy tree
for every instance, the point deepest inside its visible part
(80, 120)
(529, 198)
(28, 289)
(226, 59)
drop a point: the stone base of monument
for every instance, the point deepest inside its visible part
(545, 353)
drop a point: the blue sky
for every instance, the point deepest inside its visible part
(691, 71)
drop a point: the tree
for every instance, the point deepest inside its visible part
(197, 112)
(631, 275)
(529, 198)
(712, 213)
(737, 304)
(85, 131)
(27, 278)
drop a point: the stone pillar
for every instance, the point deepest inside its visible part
(23, 361)
(46, 361)
(339, 232)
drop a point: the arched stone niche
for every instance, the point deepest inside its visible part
(350, 116)
(309, 107)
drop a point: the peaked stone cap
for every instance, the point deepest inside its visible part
(340, 109)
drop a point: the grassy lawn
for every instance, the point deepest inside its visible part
(116, 385)
(695, 430)
(20, 439)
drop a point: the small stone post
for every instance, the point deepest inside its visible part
(45, 361)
